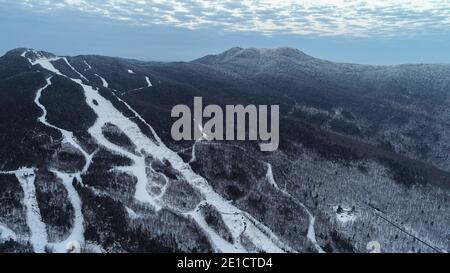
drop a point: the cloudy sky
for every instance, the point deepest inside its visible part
(362, 31)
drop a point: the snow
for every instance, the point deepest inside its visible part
(67, 136)
(131, 213)
(7, 234)
(269, 176)
(149, 83)
(77, 229)
(88, 66)
(202, 138)
(24, 53)
(234, 218)
(262, 237)
(311, 235)
(46, 64)
(107, 113)
(153, 182)
(71, 67)
(94, 248)
(77, 233)
(345, 216)
(162, 152)
(131, 71)
(218, 243)
(104, 82)
(38, 237)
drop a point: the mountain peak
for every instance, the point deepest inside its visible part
(16, 51)
(237, 53)
(32, 53)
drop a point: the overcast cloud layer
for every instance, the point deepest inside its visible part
(355, 18)
(371, 32)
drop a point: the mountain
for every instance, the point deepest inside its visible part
(87, 156)
(404, 107)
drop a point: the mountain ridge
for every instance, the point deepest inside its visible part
(238, 50)
(95, 136)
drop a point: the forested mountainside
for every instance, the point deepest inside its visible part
(86, 155)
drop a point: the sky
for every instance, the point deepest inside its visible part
(356, 31)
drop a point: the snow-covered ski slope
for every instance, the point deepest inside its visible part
(238, 222)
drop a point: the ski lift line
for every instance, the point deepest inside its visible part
(158, 140)
(403, 230)
(406, 232)
(375, 208)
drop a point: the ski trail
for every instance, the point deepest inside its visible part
(218, 243)
(149, 83)
(104, 116)
(106, 112)
(131, 213)
(263, 233)
(77, 233)
(141, 119)
(68, 137)
(160, 151)
(163, 188)
(38, 237)
(136, 114)
(24, 53)
(203, 137)
(311, 235)
(104, 82)
(203, 186)
(89, 67)
(269, 176)
(71, 67)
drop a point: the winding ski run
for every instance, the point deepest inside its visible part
(238, 222)
(311, 235)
